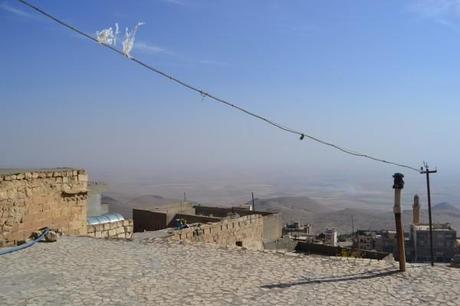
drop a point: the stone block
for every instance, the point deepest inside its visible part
(28, 191)
(21, 195)
(11, 193)
(51, 236)
(90, 229)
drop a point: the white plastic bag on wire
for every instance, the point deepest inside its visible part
(128, 42)
(107, 36)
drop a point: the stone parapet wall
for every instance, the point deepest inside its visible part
(120, 229)
(33, 199)
(245, 231)
(273, 228)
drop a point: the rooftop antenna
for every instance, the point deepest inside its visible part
(182, 203)
(352, 225)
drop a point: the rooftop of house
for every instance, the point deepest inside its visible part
(155, 271)
(366, 233)
(436, 227)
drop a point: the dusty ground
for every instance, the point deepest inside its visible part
(85, 271)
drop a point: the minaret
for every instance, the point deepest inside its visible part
(416, 211)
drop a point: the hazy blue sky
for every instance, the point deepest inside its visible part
(381, 77)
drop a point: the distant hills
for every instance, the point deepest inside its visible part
(307, 210)
(291, 207)
(447, 208)
(125, 206)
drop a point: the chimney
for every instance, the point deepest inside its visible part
(416, 211)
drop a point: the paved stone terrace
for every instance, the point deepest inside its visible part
(152, 271)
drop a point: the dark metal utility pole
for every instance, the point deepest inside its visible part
(398, 185)
(428, 172)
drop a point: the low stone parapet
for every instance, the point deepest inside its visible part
(245, 232)
(112, 230)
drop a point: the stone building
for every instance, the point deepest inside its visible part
(31, 200)
(444, 243)
(380, 241)
(297, 227)
(330, 237)
(385, 241)
(417, 241)
(34, 199)
(418, 244)
(364, 240)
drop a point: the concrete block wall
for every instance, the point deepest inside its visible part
(145, 220)
(120, 229)
(245, 231)
(33, 199)
(273, 228)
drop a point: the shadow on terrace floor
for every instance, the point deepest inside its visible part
(342, 278)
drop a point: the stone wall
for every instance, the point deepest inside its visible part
(120, 229)
(226, 211)
(245, 231)
(30, 200)
(189, 219)
(272, 220)
(273, 228)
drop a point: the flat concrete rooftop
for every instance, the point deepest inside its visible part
(154, 271)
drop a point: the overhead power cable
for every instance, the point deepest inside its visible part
(203, 93)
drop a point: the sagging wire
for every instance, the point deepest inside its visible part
(204, 94)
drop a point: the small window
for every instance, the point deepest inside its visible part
(239, 243)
